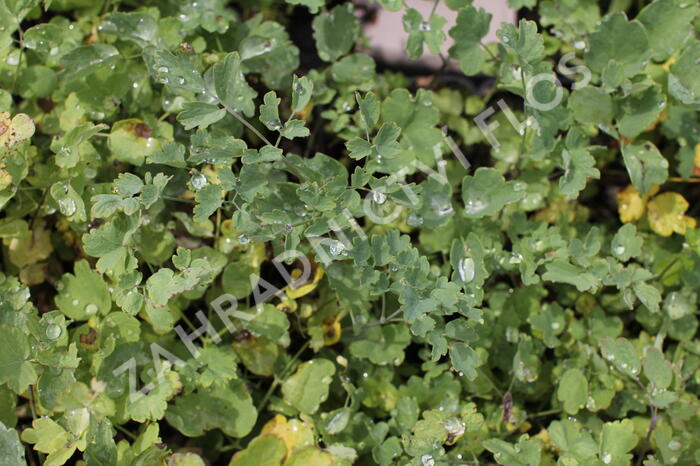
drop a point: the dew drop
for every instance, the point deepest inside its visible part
(163, 69)
(91, 309)
(53, 331)
(620, 250)
(474, 206)
(414, 220)
(336, 247)
(243, 239)
(199, 181)
(427, 460)
(378, 197)
(466, 269)
(607, 458)
(674, 445)
(424, 26)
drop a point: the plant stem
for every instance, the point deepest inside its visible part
(432, 11)
(124, 431)
(243, 121)
(279, 380)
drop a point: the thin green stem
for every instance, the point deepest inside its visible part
(494, 57)
(279, 380)
(279, 136)
(243, 121)
(432, 11)
(124, 431)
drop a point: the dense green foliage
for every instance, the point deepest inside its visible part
(471, 265)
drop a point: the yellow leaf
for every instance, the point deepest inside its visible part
(631, 206)
(14, 131)
(33, 274)
(5, 177)
(294, 433)
(667, 65)
(667, 214)
(331, 331)
(303, 290)
(30, 250)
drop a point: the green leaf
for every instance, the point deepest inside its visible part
(369, 109)
(682, 82)
(312, 5)
(616, 439)
(645, 165)
(626, 244)
(382, 345)
(591, 105)
(302, 90)
(11, 449)
(171, 154)
(620, 40)
(69, 201)
(524, 40)
(639, 110)
(355, 68)
(208, 200)
(186, 459)
(308, 387)
(295, 129)
(83, 294)
(432, 32)
(563, 272)
(231, 86)
(87, 59)
(140, 28)
(667, 24)
(579, 165)
(471, 28)
(335, 32)
(229, 408)
(174, 70)
(486, 193)
(526, 452)
(200, 114)
(656, 369)
(573, 390)
(622, 354)
(649, 295)
(266, 450)
(51, 438)
(17, 372)
(464, 359)
(269, 112)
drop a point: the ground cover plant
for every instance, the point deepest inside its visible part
(232, 236)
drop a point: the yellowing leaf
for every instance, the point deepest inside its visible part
(294, 433)
(667, 65)
(331, 331)
(303, 290)
(30, 250)
(631, 206)
(696, 160)
(14, 131)
(667, 214)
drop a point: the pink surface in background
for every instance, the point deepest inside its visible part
(388, 38)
